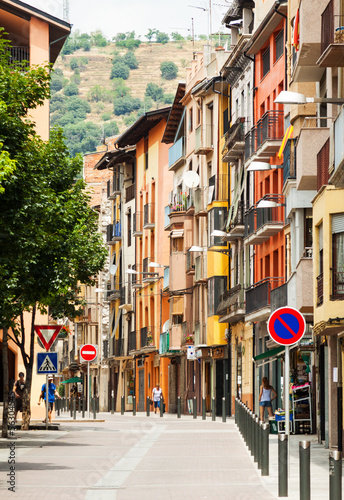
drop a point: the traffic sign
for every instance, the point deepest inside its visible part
(88, 352)
(286, 326)
(47, 334)
(46, 362)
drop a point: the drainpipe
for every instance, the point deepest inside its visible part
(339, 394)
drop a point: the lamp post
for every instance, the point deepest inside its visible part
(287, 97)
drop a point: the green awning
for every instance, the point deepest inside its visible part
(269, 354)
(72, 380)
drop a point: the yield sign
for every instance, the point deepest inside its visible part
(47, 334)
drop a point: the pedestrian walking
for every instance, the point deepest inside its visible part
(157, 396)
(18, 390)
(52, 392)
(266, 395)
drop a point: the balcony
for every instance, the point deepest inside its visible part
(204, 140)
(113, 233)
(190, 262)
(279, 297)
(304, 283)
(200, 202)
(332, 39)
(236, 229)
(235, 141)
(19, 55)
(311, 139)
(130, 193)
(147, 338)
(149, 216)
(337, 285)
(190, 202)
(148, 277)
(132, 341)
(201, 268)
(258, 299)
(263, 223)
(320, 289)
(167, 221)
(166, 278)
(114, 186)
(176, 154)
(289, 161)
(200, 334)
(164, 344)
(137, 224)
(338, 175)
(232, 305)
(175, 337)
(265, 138)
(136, 279)
(114, 291)
(305, 68)
(119, 348)
(187, 335)
(218, 188)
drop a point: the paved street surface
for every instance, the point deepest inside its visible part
(127, 457)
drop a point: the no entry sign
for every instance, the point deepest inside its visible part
(88, 352)
(286, 326)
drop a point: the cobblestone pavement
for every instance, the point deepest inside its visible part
(129, 457)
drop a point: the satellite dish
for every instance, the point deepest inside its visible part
(166, 326)
(113, 269)
(191, 179)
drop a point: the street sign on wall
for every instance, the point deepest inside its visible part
(88, 352)
(286, 326)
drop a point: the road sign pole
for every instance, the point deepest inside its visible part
(88, 389)
(286, 398)
(46, 402)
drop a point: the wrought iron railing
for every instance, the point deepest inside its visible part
(289, 161)
(236, 133)
(259, 294)
(132, 341)
(130, 193)
(149, 214)
(279, 297)
(320, 289)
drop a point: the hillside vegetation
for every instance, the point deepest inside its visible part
(99, 89)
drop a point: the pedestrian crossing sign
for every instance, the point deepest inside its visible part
(46, 362)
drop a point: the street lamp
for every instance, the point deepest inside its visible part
(256, 166)
(219, 233)
(287, 97)
(196, 248)
(155, 264)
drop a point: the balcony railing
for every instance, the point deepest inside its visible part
(190, 200)
(190, 262)
(187, 335)
(258, 296)
(235, 137)
(279, 297)
(178, 201)
(268, 128)
(201, 268)
(249, 217)
(137, 224)
(132, 341)
(113, 232)
(149, 216)
(114, 186)
(337, 285)
(114, 290)
(164, 343)
(262, 223)
(323, 163)
(119, 347)
(327, 27)
(200, 201)
(320, 289)
(20, 55)
(332, 38)
(204, 139)
(289, 161)
(147, 336)
(176, 154)
(130, 193)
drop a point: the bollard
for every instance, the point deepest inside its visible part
(256, 438)
(79, 405)
(74, 409)
(260, 445)
(194, 407)
(265, 450)
(71, 406)
(249, 418)
(213, 416)
(253, 435)
(83, 407)
(204, 416)
(282, 465)
(305, 473)
(179, 411)
(97, 404)
(112, 405)
(224, 410)
(147, 406)
(94, 408)
(134, 406)
(335, 475)
(58, 404)
(161, 407)
(122, 404)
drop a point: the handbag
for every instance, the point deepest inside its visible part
(151, 402)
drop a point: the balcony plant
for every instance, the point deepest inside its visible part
(64, 332)
(149, 338)
(189, 338)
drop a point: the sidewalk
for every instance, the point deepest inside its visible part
(127, 456)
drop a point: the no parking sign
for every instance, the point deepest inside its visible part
(286, 326)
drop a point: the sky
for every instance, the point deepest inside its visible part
(120, 16)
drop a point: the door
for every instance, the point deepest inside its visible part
(141, 390)
(219, 387)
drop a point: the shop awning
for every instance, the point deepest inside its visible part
(73, 380)
(269, 354)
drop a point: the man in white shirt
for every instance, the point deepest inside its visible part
(157, 396)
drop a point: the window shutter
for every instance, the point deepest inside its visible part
(338, 223)
(323, 161)
(321, 237)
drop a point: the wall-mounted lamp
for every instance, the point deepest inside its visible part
(219, 233)
(287, 97)
(256, 166)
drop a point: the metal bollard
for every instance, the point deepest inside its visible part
(224, 410)
(94, 409)
(58, 404)
(79, 405)
(213, 416)
(148, 406)
(335, 475)
(256, 437)
(260, 445)
(179, 411)
(194, 407)
(249, 418)
(112, 405)
(282, 465)
(123, 406)
(70, 407)
(74, 409)
(204, 416)
(83, 407)
(134, 406)
(253, 436)
(305, 471)
(265, 451)
(161, 407)
(97, 404)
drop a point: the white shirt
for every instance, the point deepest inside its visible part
(157, 394)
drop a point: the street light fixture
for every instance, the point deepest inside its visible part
(256, 166)
(287, 97)
(196, 248)
(219, 233)
(155, 264)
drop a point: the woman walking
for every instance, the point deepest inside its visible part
(265, 399)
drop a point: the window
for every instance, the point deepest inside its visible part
(216, 220)
(338, 256)
(190, 119)
(279, 42)
(129, 228)
(177, 244)
(308, 228)
(266, 62)
(225, 121)
(216, 286)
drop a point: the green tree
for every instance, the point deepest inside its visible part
(151, 33)
(111, 128)
(169, 70)
(177, 37)
(162, 37)
(123, 105)
(98, 39)
(120, 88)
(130, 60)
(168, 98)
(119, 70)
(71, 89)
(73, 63)
(154, 91)
(49, 242)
